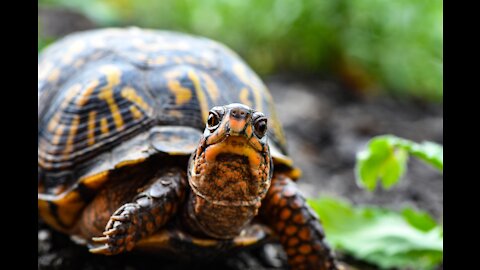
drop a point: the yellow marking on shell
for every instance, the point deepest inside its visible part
(244, 93)
(277, 127)
(241, 73)
(58, 134)
(104, 126)
(83, 99)
(202, 99)
(46, 214)
(211, 86)
(69, 206)
(182, 94)
(106, 93)
(71, 93)
(95, 181)
(130, 94)
(54, 121)
(72, 133)
(258, 90)
(258, 98)
(91, 127)
(135, 112)
(129, 162)
(54, 75)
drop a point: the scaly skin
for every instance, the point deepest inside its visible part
(143, 215)
(285, 210)
(229, 174)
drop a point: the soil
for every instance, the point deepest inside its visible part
(325, 124)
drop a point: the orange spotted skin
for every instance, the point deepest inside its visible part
(297, 226)
(124, 213)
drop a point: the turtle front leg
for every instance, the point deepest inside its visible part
(285, 210)
(145, 214)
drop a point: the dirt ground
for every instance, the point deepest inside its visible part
(325, 126)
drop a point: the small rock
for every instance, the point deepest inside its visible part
(272, 255)
(43, 235)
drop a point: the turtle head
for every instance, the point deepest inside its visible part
(230, 171)
(238, 122)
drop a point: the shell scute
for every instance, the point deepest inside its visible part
(93, 113)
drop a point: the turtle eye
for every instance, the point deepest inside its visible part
(260, 127)
(213, 121)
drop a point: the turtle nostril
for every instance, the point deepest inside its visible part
(238, 113)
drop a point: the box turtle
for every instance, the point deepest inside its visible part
(166, 142)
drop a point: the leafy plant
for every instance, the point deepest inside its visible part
(406, 239)
(410, 239)
(385, 160)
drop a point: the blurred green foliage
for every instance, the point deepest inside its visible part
(385, 160)
(410, 239)
(372, 44)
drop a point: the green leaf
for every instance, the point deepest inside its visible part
(386, 157)
(429, 152)
(380, 161)
(419, 219)
(380, 236)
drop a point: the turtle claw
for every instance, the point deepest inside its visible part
(120, 218)
(101, 250)
(111, 245)
(121, 232)
(100, 240)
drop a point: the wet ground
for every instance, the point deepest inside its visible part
(325, 125)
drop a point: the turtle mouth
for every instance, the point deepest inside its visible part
(239, 146)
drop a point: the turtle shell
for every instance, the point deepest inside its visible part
(113, 98)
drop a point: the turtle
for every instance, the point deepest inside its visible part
(162, 141)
